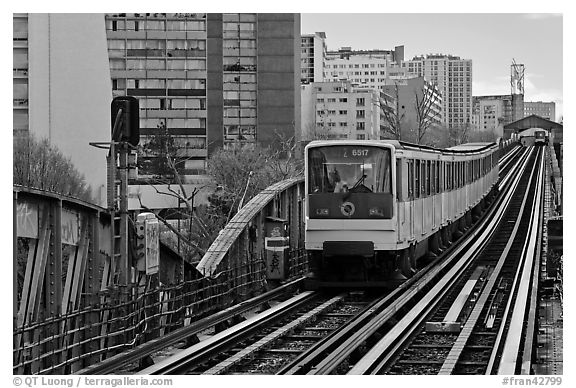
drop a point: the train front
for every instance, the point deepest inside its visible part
(350, 212)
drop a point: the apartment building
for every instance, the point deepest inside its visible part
(367, 68)
(491, 113)
(337, 110)
(453, 76)
(212, 80)
(313, 57)
(61, 88)
(546, 110)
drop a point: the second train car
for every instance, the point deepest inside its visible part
(375, 208)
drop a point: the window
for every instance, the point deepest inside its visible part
(360, 126)
(417, 179)
(360, 101)
(360, 114)
(410, 174)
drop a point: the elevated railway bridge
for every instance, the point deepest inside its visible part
(85, 301)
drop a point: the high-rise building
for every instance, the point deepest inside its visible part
(313, 57)
(62, 88)
(211, 80)
(337, 110)
(453, 76)
(367, 68)
(546, 110)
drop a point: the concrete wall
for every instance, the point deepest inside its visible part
(70, 89)
(278, 77)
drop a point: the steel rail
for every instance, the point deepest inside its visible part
(458, 347)
(382, 351)
(522, 282)
(178, 363)
(122, 359)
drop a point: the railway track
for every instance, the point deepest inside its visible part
(466, 328)
(267, 341)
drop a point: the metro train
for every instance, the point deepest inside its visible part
(540, 137)
(376, 209)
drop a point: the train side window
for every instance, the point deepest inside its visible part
(433, 177)
(428, 176)
(417, 179)
(448, 180)
(399, 193)
(460, 173)
(438, 163)
(423, 178)
(410, 179)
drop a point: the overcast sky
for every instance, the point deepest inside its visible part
(491, 40)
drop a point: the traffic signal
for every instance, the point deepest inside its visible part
(129, 128)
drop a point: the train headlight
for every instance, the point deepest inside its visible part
(376, 212)
(322, 212)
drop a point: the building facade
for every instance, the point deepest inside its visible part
(367, 68)
(492, 113)
(546, 110)
(212, 80)
(313, 57)
(62, 88)
(406, 93)
(453, 76)
(337, 110)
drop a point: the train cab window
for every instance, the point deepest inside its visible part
(417, 179)
(342, 168)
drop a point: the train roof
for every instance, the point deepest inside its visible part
(471, 147)
(462, 148)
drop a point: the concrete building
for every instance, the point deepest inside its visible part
(453, 76)
(313, 57)
(492, 113)
(337, 110)
(62, 88)
(546, 110)
(406, 91)
(211, 79)
(367, 68)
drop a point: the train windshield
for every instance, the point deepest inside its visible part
(360, 169)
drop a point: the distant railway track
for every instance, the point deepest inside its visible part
(466, 328)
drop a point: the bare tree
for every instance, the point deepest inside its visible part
(426, 115)
(316, 132)
(161, 161)
(38, 164)
(393, 118)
